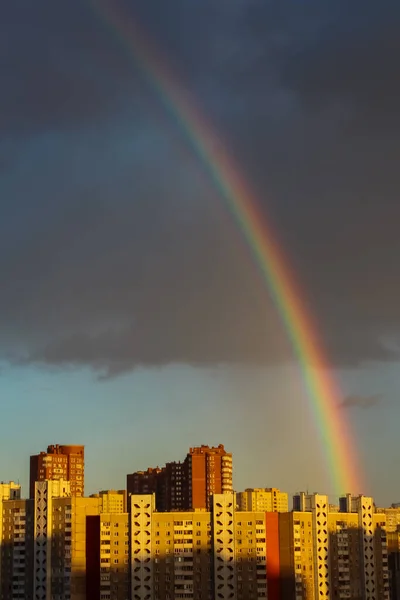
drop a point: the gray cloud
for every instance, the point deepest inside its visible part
(116, 248)
(59, 75)
(362, 402)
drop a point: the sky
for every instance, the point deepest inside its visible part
(133, 316)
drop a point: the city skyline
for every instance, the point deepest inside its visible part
(134, 316)
(54, 464)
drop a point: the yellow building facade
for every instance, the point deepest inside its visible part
(197, 554)
(263, 499)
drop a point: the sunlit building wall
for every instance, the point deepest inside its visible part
(59, 542)
(392, 515)
(107, 557)
(296, 549)
(263, 499)
(16, 554)
(373, 545)
(112, 501)
(197, 554)
(8, 491)
(209, 472)
(60, 461)
(342, 553)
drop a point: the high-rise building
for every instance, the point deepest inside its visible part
(143, 482)
(147, 482)
(16, 553)
(392, 517)
(262, 499)
(8, 491)
(60, 541)
(209, 471)
(64, 462)
(112, 501)
(56, 546)
(43, 544)
(342, 553)
(187, 484)
(107, 557)
(195, 554)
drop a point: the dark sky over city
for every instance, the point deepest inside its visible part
(126, 286)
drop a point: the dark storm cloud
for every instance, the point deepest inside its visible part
(59, 67)
(361, 401)
(354, 62)
(116, 249)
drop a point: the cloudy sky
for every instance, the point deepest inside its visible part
(133, 317)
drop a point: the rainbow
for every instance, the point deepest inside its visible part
(322, 389)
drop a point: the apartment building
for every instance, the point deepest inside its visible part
(16, 557)
(372, 548)
(43, 550)
(59, 547)
(44, 546)
(188, 484)
(246, 555)
(263, 499)
(143, 482)
(209, 471)
(27, 540)
(195, 554)
(392, 515)
(64, 462)
(342, 553)
(239, 550)
(393, 538)
(8, 491)
(107, 557)
(112, 501)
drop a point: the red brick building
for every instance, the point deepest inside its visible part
(59, 462)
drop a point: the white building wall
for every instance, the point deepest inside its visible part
(224, 546)
(367, 528)
(142, 507)
(45, 491)
(319, 506)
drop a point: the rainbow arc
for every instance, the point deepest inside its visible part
(323, 391)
